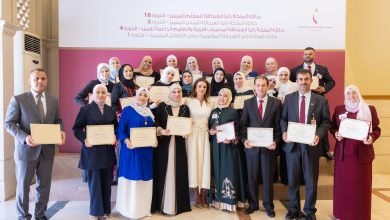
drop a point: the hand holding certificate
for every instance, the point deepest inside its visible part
(143, 137)
(225, 132)
(314, 85)
(46, 133)
(100, 135)
(301, 133)
(261, 137)
(354, 129)
(180, 126)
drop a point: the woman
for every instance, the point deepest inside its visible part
(170, 182)
(353, 159)
(115, 65)
(97, 160)
(272, 86)
(240, 85)
(193, 67)
(219, 81)
(167, 76)
(198, 149)
(126, 87)
(226, 159)
(145, 69)
(186, 83)
(103, 77)
(285, 85)
(246, 67)
(135, 177)
(172, 61)
(216, 63)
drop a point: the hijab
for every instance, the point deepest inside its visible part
(217, 86)
(287, 87)
(171, 56)
(170, 100)
(360, 106)
(187, 87)
(229, 96)
(196, 71)
(95, 88)
(113, 72)
(165, 72)
(140, 68)
(246, 72)
(217, 59)
(100, 67)
(129, 83)
(271, 92)
(244, 87)
(142, 109)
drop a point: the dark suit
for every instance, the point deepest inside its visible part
(98, 160)
(23, 111)
(251, 118)
(302, 156)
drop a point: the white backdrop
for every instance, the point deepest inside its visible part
(202, 24)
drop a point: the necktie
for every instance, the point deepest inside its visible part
(40, 108)
(261, 109)
(302, 111)
(309, 68)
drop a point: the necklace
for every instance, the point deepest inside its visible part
(145, 121)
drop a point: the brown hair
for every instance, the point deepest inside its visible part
(207, 95)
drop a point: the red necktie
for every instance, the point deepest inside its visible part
(302, 112)
(261, 109)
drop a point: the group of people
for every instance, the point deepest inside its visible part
(223, 174)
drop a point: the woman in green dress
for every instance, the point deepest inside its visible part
(227, 176)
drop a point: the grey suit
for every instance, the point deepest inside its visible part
(302, 156)
(22, 111)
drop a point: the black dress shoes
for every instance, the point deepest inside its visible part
(41, 218)
(270, 213)
(311, 217)
(291, 215)
(329, 156)
(250, 210)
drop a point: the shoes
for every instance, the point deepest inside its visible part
(270, 213)
(291, 215)
(107, 216)
(114, 183)
(250, 210)
(311, 217)
(329, 156)
(91, 217)
(41, 218)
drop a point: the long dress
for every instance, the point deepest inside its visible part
(353, 171)
(170, 182)
(135, 177)
(226, 165)
(198, 148)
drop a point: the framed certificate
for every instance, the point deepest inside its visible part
(46, 133)
(108, 99)
(158, 93)
(126, 101)
(239, 101)
(143, 137)
(180, 126)
(225, 131)
(100, 134)
(315, 83)
(301, 133)
(261, 137)
(354, 128)
(144, 81)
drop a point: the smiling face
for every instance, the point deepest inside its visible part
(172, 62)
(142, 98)
(218, 76)
(38, 81)
(216, 64)
(114, 64)
(223, 98)
(201, 89)
(352, 96)
(128, 72)
(271, 65)
(104, 73)
(176, 95)
(238, 81)
(170, 76)
(192, 64)
(147, 64)
(283, 77)
(187, 78)
(246, 64)
(100, 95)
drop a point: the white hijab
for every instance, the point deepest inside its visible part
(196, 71)
(164, 74)
(229, 95)
(288, 87)
(142, 109)
(215, 59)
(170, 100)
(363, 111)
(246, 72)
(171, 56)
(100, 67)
(244, 87)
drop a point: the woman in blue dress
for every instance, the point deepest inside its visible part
(135, 177)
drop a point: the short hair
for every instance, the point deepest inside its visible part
(261, 77)
(37, 70)
(310, 48)
(303, 72)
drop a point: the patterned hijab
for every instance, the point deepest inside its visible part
(142, 109)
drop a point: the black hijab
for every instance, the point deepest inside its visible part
(216, 86)
(129, 83)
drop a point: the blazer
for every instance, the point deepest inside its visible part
(23, 111)
(318, 108)
(99, 156)
(325, 79)
(250, 118)
(366, 153)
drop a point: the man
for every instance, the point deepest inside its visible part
(32, 158)
(306, 107)
(325, 82)
(261, 111)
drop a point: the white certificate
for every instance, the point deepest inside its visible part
(225, 131)
(250, 83)
(144, 81)
(46, 133)
(261, 137)
(143, 137)
(354, 129)
(214, 101)
(301, 133)
(195, 77)
(108, 99)
(315, 83)
(159, 93)
(239, 101)
(180, 126)
(209, 78)
(100, 134)
(126, 101)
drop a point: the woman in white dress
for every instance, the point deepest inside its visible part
(198, 149)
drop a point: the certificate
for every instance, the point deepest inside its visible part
(214, 101)
(209, 78)
(126, 101)
(301, 133)
(180, 126)
(315, 83)
(239, 101)
(46, 133)
(144, 81)
(250, 83)
(108, 99)
(195, 77)
(159, 93)
(143, 137)
(354, 129)
(261, 137)
(100, 134)
(225, 131)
